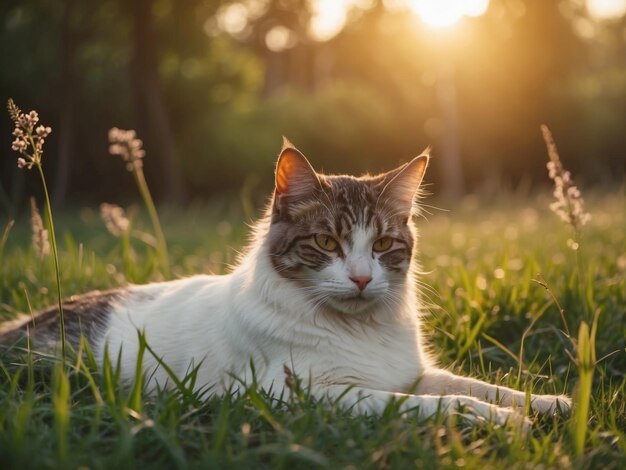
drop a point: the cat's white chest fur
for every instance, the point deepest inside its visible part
(253, 318)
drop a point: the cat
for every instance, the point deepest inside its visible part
(326, 290)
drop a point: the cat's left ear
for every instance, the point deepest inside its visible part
(296, 179)
(402, 184)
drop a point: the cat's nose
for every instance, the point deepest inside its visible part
(361, 281)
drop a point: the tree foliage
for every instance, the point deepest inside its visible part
(212, 103)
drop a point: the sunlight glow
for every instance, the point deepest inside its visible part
(606, 9)
(329, 16)
(445, 13)
(279, 38)
(232, 18)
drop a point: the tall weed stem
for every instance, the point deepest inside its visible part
(568, 205)
(55, 256)
(154, 219)
(126, 144)
(581, 276)
(29, 142)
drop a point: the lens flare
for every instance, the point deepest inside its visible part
(446, 13)
(606, 9)
(329, 16)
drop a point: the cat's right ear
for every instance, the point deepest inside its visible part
(296, 179)
(401, 186)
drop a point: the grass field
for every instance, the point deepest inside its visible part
(481, 261)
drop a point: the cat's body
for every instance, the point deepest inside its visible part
(326, 291)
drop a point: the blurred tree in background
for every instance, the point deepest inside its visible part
(212, 85)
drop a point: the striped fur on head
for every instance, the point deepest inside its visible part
(347, 240)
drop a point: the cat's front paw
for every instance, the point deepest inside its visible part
(512, 417)
(552, 404)
(476, 410)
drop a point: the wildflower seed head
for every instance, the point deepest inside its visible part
(114, 219)
(569, 203)
(41, 242)
(14, 110)
(28, 140)
(31, 119)
(19, 145)
(126, 144)
(43, 131)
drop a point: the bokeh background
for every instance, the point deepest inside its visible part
(357, 85)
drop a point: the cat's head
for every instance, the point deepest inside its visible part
(347, 241)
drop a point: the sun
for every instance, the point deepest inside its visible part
(606, 9)
(446, 13)
(329, 16)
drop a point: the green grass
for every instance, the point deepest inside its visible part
(480, 260)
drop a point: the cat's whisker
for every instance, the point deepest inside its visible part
(392, 299)
(388, 302)
(434, 208)
(316, 307)
(424, 287)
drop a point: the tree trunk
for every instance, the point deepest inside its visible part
(153, 124)
(453, 180)
(67, 88)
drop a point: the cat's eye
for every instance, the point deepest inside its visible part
(326, 242)
(382, 244)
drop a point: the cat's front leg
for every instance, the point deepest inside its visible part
(441, 382)
(367, 401)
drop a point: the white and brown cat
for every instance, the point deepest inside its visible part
(326, 289)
